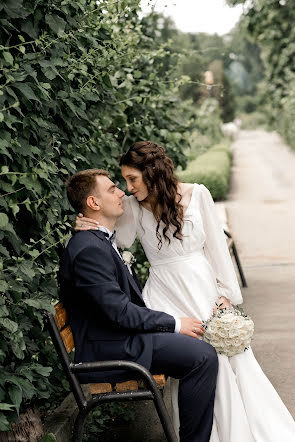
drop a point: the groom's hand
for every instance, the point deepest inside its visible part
(191, 327)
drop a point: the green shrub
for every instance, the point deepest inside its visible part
(247, 103)
(254, 120)
(223, 147)
(211, 169)
(207, 127)
(104, 418)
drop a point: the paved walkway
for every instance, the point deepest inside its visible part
(261, 214)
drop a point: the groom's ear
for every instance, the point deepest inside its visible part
(93, 203)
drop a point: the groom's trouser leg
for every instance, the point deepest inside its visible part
(195, 364)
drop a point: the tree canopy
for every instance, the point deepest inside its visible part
(271, 24)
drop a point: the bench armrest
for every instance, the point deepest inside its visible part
(87, 367)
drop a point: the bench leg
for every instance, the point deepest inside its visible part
(235, 253)
(164, 417)
(79, 425)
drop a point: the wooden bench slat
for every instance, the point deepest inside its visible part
(160, 380)
(61, 317)
(100, 388)
(127, 386)
(68, 339)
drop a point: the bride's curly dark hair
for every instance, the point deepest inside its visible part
(158, 175)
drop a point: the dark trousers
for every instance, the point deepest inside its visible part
(195, 364)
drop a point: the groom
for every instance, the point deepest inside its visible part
(109, 318)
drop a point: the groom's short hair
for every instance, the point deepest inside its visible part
(81, 185)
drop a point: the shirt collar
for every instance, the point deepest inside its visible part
(105, 230)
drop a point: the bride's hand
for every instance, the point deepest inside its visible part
(222, 302)
(83, 223)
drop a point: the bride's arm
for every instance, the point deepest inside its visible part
(125, 227)
(216, 250)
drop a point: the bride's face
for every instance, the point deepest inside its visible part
(135, 183)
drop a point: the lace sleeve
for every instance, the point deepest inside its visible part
(216, 250)
(126, 225)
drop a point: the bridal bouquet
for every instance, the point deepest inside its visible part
(229, 331)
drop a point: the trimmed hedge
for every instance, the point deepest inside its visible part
(211, 169)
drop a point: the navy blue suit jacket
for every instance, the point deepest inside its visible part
(107, 314)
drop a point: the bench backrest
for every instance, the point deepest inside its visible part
(61, 320)
(63, 341)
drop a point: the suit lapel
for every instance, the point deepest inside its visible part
(120, 262)
(129, 276)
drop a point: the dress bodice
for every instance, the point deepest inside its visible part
(193, 235)
(202, 234)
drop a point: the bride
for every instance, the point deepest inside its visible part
(191, 270)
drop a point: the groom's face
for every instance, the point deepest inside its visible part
(109, 197)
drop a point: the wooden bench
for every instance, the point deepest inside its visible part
(147, 388)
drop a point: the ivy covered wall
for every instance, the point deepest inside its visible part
(79, 81)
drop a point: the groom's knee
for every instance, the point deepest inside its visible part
(209, 357)
(212, 358)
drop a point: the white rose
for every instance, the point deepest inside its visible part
(223, 333)
(128, 258)
(232, 333)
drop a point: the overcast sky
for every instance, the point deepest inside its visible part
(211, 16)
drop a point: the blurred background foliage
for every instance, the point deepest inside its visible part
(270, 25)
(80, 80)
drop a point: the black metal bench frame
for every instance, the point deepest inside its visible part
(151, 392)
(232, 246)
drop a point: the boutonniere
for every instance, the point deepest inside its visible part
(128, 259)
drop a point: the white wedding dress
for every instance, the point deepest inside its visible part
(186, 279)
